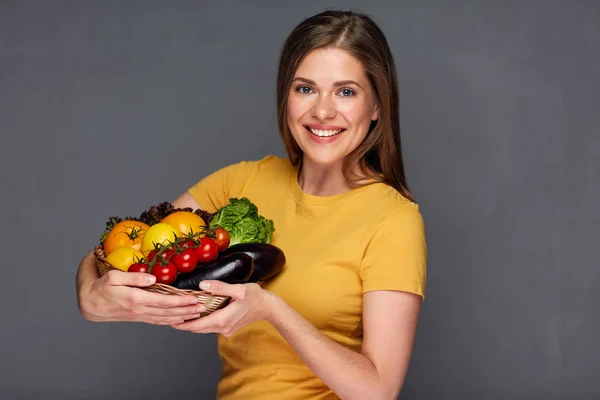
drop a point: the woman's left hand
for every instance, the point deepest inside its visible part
(249, 303)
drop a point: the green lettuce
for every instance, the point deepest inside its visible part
(241, 220)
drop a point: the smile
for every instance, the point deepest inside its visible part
(324, 132)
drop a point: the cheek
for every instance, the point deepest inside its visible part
(295, 108)
(357, 113)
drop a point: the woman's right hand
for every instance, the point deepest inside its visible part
(116, 296)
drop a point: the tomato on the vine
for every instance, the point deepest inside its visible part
(161, 234)
(123, 257)
(222, 238)
(164, 273)
(186, 261)
(207, 250)
(165, 255)
(185, 221)
(125, 233)
(188, 243)
(138, 267)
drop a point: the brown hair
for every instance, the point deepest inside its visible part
(380, 154)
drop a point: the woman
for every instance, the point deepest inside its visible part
(340, 320)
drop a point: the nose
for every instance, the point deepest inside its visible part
(324, 108)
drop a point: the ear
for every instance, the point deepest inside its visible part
(375, 115)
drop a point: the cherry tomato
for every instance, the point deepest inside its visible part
(189, 243)
(152, 255)
(138, 267)
(165, 255)
(166, 273)
(207, 250)
(186, 261)
(222, 238)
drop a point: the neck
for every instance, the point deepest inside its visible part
(322, 180)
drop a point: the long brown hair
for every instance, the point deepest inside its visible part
(380, 154)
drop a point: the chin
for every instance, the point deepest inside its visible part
(323, 158)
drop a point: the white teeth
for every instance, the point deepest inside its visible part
(324, 133)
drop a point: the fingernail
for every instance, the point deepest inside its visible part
(201, 309)
(205, 285)
(150, 278)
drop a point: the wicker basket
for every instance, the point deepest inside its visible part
(210, 301)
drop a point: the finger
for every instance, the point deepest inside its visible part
(215, 322)
(185, 326)
(171, 320)
(210, 323)
(178, 312)
(220, 288)
(165, 300)
(121, 278)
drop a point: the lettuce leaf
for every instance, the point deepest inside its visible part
(241, 220)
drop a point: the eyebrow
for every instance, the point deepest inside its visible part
(335, 84)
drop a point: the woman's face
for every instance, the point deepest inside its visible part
(330, 106)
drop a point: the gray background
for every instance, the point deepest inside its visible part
(108, 107)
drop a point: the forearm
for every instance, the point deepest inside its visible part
(349, 374)
(87, 274)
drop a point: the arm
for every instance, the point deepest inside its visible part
(378, 372)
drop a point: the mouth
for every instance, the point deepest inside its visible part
(324, 133)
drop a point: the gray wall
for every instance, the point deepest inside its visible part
(107, 107)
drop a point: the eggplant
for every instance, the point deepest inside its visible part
(268, 259)
(235, 268)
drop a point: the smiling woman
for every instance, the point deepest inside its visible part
(329, 105)
(339, 320)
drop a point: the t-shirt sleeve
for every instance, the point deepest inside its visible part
(396, 255)
(215, 190)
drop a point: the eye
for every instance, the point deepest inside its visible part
(347, 92)
(303, 89)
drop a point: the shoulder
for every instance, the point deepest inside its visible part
(235, 174)
(269, 169)
(233, 180)
(403, 220)
(405, 216)
(246, 176)
(266, 163)
(395, 256)
(245, 169)
(385, 214)
(272, 162)
(387, 205)
(395, 221)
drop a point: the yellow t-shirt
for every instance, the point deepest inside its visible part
(337, 248)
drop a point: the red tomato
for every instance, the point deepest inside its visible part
(221, 238)
(138, 267)
(186, 261)
(207, 250)
(152, 255)
(166, 273)
(165, 255)
(189, 243)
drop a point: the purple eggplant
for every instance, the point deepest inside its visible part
(235, 268)
(268, 259)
